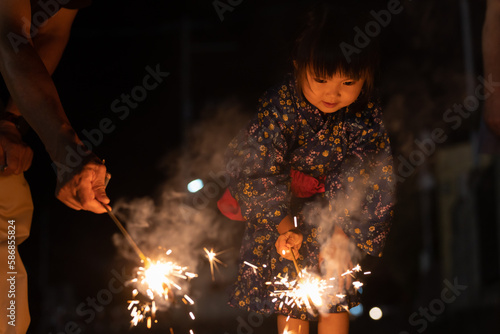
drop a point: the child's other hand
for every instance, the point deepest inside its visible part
(291, 240)
(336, 258)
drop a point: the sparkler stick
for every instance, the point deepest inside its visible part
(295, 262)
(126, 234)
(120, 225)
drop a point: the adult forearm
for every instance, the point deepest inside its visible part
(49, 43)
(52, 38)
(35, 95)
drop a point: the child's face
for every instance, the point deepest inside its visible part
(331, 94)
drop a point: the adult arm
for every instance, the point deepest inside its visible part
(80, 182)
(49, 43)
(491, 56)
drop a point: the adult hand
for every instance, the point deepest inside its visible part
(85, 189)
(15, 155)
(288, 242)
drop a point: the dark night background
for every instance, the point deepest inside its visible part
(446, 221)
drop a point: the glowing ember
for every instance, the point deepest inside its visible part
(213, 260)
(253, 266)
(357, 284)
(189, 299)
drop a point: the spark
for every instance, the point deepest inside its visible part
(213, 260)
(158, 280)
(132, 303)
(251, 265)
(254, 267)
(357, 284)
(349, 272)
(308, 289)
(189, 299)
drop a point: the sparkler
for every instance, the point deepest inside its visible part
(156, 279)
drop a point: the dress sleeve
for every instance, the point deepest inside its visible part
(362, 193)
(256, 164)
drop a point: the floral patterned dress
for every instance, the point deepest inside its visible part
(348, 151)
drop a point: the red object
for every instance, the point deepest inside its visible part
(229, 207)
(302, 185)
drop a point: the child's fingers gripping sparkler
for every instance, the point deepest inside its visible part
(289, 242)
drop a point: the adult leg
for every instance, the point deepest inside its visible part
(16, 209)
(334, 323)
(292, 326)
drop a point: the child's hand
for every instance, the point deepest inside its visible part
(291, 240)
(336, 258)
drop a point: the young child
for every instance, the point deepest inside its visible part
(318, 142)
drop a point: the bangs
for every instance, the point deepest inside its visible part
(319, 48)
(327, 64)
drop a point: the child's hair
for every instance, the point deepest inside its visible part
(327, 37)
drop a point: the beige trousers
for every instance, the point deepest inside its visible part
(16, 210)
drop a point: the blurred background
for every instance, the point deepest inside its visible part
(220, 56)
